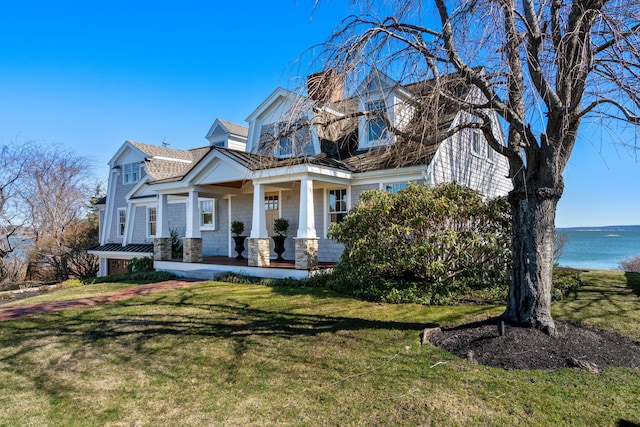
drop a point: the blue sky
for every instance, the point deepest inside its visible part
(87, 76)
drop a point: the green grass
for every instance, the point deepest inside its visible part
(238, 355)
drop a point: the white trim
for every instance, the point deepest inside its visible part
(121, 231)
(109, 209)
(148, 221)
(171, 159)
(327, 214)
(213, 225)
(124, 172)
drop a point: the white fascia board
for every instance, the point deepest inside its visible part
(121, 150)
(191, 178)
(171, 187)
(294, 173)
(120, 254)
(412, 173)
(172, 159)
(279, 92)
(136, 188)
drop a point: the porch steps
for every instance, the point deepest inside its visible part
(200, 274)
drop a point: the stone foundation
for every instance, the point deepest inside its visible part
(162, 248)
(192, 249)
(306, 253)
(258, 252)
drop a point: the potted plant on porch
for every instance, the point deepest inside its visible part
(237, 228)
(280, 227)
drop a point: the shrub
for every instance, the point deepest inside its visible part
(139, 277)
(237, 228)
(424, 244)
(176, 245)
(631, 265)
(140, 265)
(564, 282)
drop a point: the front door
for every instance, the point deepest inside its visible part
(272, 212)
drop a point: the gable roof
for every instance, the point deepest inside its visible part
(161, 168)
(165, 152)
(235, 129)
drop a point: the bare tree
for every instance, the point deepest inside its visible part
(559, 243)
(56, 190)
(543, 67)
(13, 162)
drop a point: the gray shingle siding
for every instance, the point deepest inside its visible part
(216, 242)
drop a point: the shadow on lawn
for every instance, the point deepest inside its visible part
(134, 323)
(633, 281)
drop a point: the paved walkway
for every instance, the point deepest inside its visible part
(17, 311)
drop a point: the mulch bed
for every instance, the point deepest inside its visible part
(529, 348)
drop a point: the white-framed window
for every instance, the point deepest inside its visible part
(476, 143)
(122, 221)
(286, 139)
(131, 173)
(491, 154)
(337, 204)
(151, 221)
(395, 187)
(376, 126)
(207, 214)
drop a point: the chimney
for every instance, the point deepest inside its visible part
(325, 86)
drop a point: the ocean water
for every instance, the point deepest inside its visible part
(599, 248)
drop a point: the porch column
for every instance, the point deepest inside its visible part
(258, 240)
(306, 239)
(192, 243)
(162, 240)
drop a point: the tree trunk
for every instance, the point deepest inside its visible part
(529, 300)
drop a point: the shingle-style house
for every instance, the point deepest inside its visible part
(303, 158)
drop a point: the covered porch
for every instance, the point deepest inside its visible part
(215, 266)
(243, 193)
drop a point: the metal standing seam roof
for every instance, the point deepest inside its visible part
(117, 247)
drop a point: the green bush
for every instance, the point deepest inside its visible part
(140, 277)
(176, 245)
(564, 282)
(140, 265)
(424, 244)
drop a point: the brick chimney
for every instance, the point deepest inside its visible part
(325, 86)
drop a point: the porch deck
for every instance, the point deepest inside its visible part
(215, 266)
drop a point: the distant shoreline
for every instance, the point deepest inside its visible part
(602, 228)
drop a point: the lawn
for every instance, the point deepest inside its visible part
(237, 355)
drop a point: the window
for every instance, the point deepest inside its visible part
(286, 139)
(376, 127)
(337, 205)
(122, 221)
(491, 154)
(131, 173)
(476, 143)
(394, 188)
(270, 203)
(151, 222)
(207, 217)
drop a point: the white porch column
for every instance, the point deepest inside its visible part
(193, 215)
(258, 217)
(306, 240)
(259, 239)
(162, 217)
(162, 240)
(306, 220)
(192, 243)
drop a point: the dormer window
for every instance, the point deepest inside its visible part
(286, 139)
(376, 126)
(131, 173)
